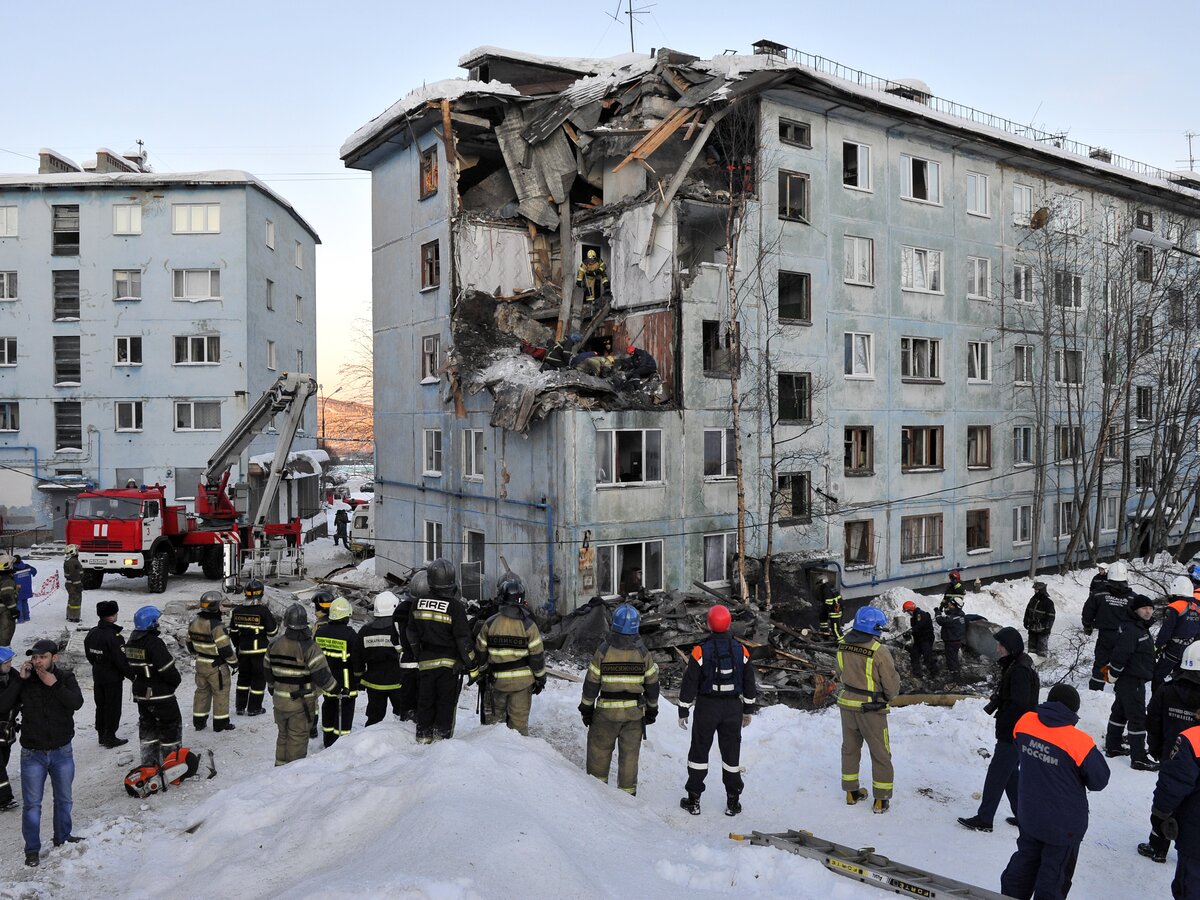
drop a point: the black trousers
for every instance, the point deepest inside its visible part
(922, 652)
(1001, 780)
(1186, 884)
(1039, 870)
(337, 716)
(377, 703)
(1128, 711)
(1038, 641)
(251, 682)
(160, 729)
(108, 708)
(437, 701)
(1104, 648)
(410, 682)
(6, 791)
(953, 663)
(722, 717)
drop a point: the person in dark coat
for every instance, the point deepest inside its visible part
(440, 634)
(1132, 665)
(1175, 813)
(1174, 708)
(155, 679)
(1039, 618)
(341, 522)
(1105, 610)
(409, 672)
(1180, 626)
(638, 363)
(1059, 764)
(8, 730)
(1015, 694)
(105, 650)
(954, 631)
(954, 590)
(920, 651)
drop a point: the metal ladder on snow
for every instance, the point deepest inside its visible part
(867, 866)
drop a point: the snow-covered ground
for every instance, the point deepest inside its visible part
(492, 814)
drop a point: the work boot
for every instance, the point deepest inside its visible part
(424, 736)
(691, 803)
(199, 722)
(31, 859)
(1011, 820)
(853, 797)
(8, 804)
(1148, 851)
(312, 731)
(71, 839)
(1145, 764)
(239, 710)
(975, 823)
(880, 807)
(255, 712)
(224, 726)
(112, 742)
(1119, 751)
(732, 805)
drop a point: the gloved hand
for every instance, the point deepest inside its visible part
(1164, 824)
(587, 713)
(1087, 632)
(473, 676)
(650, 715)
(539, 685)
(746, 720)
(683, 719)
(991, 706)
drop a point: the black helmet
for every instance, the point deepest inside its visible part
(321, 599)
(442, 577)
(295, 617)
(254, 589)
(510, 589)
(211, 600)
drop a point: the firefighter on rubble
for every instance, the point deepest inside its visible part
(382, 675)
(592, 277)
(251, 627)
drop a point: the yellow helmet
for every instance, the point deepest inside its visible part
(72, 549)
(339, 609)
(591, 254)
(6, 563)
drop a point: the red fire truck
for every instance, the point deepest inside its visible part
(134, 531)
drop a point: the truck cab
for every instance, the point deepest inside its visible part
(362, 530)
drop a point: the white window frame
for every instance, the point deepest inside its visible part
(473, 454)
(858, 358)
(8, 352)
(1022, 525)
(979, 275)
(1110, 513)
(270, 294)
(926, 349)
(431, 452)
(272, 355)
(127, 340)
(978, 199)
(933, 179)
(431, 352)
(863, 155)
(1072, 210)
(1023, 357)
(8, 222)
(979, 358)
(191, 405)
(127, 218)
(433, 541)
(1064, 523)
(181, 277)
(606, 473)
(784, 185)
(1112, 225)
(135, 410)
(726, 540)
(269, 235)
(934, 272)
(1022, 205)
(299, 308)
(651, 581)
(299, 255)
(726, 466)
(195, 341)
(10, 415)
(127, 277)
(858, 259)
(1022, 283)
(9, 284)
(196, 218)
(1023, 449)
(1060, 367)
(987, 518)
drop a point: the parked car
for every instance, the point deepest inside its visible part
(367, 487)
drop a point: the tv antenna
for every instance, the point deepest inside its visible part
(632, 14)
(1191, 160)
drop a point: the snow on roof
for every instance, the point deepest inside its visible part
(316, 457)
(585, 65)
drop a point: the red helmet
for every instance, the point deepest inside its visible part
(909, 605)
(955, 575)
(630, 348)
(719, 619)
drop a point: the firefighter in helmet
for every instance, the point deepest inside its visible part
(509, 645)
(215, 657)
(251, 627)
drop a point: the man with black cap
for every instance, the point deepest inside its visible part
(106, 652)
(1059, 764)
(1015, 695)
(49, 698)
(1132, 665)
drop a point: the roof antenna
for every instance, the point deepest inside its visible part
(632, 14)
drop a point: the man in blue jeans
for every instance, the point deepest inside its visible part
(49, 697)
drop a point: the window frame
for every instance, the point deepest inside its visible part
(431, 265)
(932, 444)
(133, 211)
(615, 549)
(863, 181)
(132, 278)
(1068, 285)
(803, 396)
(981, 360)
(908, 270)
(129, 342)
(1022, 204)
(9, 287)
(1023, 363)
(211, 223)
(850, 361)
(430, 355)
(10, 416)
(269, 234)
(804, 141)
(1022, 524)
(727, 463)
(932, 527)
(8, 352)
(785, 208)
(272, 355)
(473, 454)
(180, 277)
(64, 430)
(868, 542)
(432, 461)
(974, 279)
(300, 309)
(791, 517)
(63, 246)
(981, 188)
(206, 337)
(611, 436)
(907, 179)
(1024, 452)
(804, 282)
(1143, 403)
(714, 351)
(976, 460)
(299, 260)
(1064, 524)
(726, 537)
(68, 370)
(269, 294)
(1062, 369)
(192, 405)
(9, 221)
(1110, 513)
(137, 415)
(931, 353)
(986, 514)
(852, 245)
(858, 442)
(433, 543)
(1023, 277)
(1068, 443)
(427, 172)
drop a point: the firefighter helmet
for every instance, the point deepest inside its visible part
(909, 606)
(146, 618)
(386, 603)
(1182, 586)
(6, 563)
(295, 617)
(211, 600)
(339, 609)
(442, 577)
(254, 589)
(72, 550)
(511, 589)
(1118, 571)
(321, 599)
(719, 619)
(1191, 658)
(626, 620)
(870, 620)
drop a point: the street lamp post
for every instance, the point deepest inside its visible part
(1158, 242)
(325, 398)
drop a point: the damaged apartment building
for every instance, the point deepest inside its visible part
(829, 214)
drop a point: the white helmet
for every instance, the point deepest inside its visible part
(1118, 571)
(1191, 657)
(386, 603)
(1181, 586)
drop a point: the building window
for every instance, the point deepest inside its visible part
(127, 218)
(197, 349)
(299, 258)
(1068, 367)
(8, 225)
(719, 553)
(793, 497)
(715, 356)
(1022, 283)
(921, 270)
(197, 284)
(1143, 473)
(432, 444)
(127, 284)
(68, 425)
(856, 165)
(128, 351)
(628, 568)
(793, 196)
(1068, 442)
(859, 263)
(1022, 524)
(272, 356)
(858, 358)
(1112, 449)
(1068, 290)
(431, 267)
(1065, 514)
(299, 308)
(920, 537)
(1022, 204)
(1145, 403)
(979, 447)
(629, 457)
(8, 351)
(1144, 263)
(67, 367)
(719, 456)
(66, 296)
(1112, 225)
(1145, 333)
(979, 362)
(430, 352)
(433, 541)
(8, 285)
(429, 172)
(794, 397)
(270, 234)
(1023, 364)
(920, 179)
(977, 194)
(1173, 370)
(921, 448)
(300, 368)
(1109, 513)
(1071, 209)
(270, 294)
(1176, 312)
(129, 415)
(795, 296)
(859, 453)
(979, 532)
(65, 231)
(1023, 445)
(195, 218)
(797, 134)
(10, 415)
(858, 546)
(979, 278)
(473, 454)
(474, 552)
(187, 481)
(197, 415)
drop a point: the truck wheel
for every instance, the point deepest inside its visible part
(180, 565)
(92, 579)
(157, 576)
(213, 563)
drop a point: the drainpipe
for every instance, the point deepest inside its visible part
(552, 599)
(25, 447)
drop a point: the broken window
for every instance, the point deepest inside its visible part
(719, 551)
(67, 369)
(10, 415)
(920, 537)
(66, 296)
(858, 543)
(798, 134)
(979, 447)
(856, 165)
(129, 415)
(628, 457)
(793, 497)
(65, 231)
(858, 457)
(921, 447)
(795, 296)
(196, 284)
(8, 285)
(719, 455)
(794, 397)
(429, 172)
(979, 532)
(197, 415)
(433, 541)
(920, 179)
(473, 454)
(1145, 403)
(1144, 263)
(793, 196)
(197, 349)
(127, 284)
(430, 350)
(68, 425)
(431, 267)
(920, 358)
(8, 351)
(623, 569)
(432, 441)
(717, 357)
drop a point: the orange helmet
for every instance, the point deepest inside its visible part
(909, 605)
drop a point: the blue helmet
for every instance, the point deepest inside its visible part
(870, 620)
(1194, 573)
(626, 620)
(146, 617)
(6, 653)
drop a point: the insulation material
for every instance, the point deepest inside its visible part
(638, 278)
(493, 258)
(546, 170)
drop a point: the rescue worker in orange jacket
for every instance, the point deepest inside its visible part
(1180, 626)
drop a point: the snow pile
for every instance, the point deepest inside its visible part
(512, 367)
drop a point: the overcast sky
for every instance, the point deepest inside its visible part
(274, 87)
